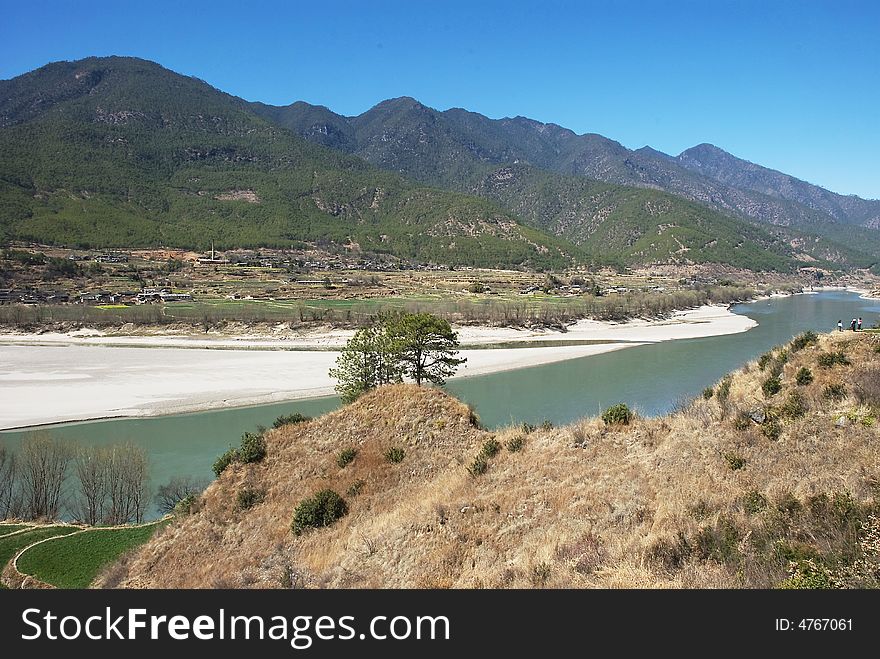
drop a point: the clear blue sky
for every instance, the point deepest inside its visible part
(793, 85)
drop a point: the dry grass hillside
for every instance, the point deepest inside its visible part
(744, 487)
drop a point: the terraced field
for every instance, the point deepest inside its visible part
(75, 560)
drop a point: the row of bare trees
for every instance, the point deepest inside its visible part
(92, 484)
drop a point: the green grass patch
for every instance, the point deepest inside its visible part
(6, 529)
(11, 545)
(75, 561)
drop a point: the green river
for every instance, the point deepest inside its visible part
(651, 378)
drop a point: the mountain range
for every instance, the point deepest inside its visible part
(122, 152)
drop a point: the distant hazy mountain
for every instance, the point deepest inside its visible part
(457, 149)
(715, 163)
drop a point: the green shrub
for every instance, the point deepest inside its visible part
(708, 392)
(477, 287)
(248, 498)
(723, 392)
(528, 428)
(224, 461)
(395, 454)
(794, 406)
(719, 542)
(764, 360)
(479, 466)
(253, 447)
(801, 341)
(770, 386)
(490, 448)
(804, 376)
(834, 391)
(546, 424)
(288, 419)
(322, 509)
(619, 414)
(345, 457)
(355, 488)
(772, 429)
(808, 575)
(514, 444)
(734, 462)
(754, 502)
(742, 421)
(833, 358)
(778, 364)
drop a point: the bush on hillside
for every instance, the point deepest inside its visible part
(771, 386)
(355, 488)
(708, 392)
(804, 376)
(516, 443)
(288, 419)
(794, 406)
(395, 454)
(772, 429)
(801, 341)
(834, 391)
(490, 448)
(833, 358)
(723, 392)
(224, 461)
(253, 447)
(249, 497)
(346, 456)
(619, 414)
(479, 466)
(319, 510)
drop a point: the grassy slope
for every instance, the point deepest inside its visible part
(75, 561)
(633, 225)
(693, 499)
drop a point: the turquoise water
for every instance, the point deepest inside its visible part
(651, 378)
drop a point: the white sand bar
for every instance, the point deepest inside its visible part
(55, 378)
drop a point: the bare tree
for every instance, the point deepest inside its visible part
(43, 466)
(176, 490)
(10, 498)
(127, 484)
(92, 467)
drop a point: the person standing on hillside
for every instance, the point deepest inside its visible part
(859, 326)
(840, 325)
(852, 325)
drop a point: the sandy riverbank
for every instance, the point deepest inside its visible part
(53, 378)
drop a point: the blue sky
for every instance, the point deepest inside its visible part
(790, 85)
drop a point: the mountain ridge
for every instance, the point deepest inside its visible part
(123, 152)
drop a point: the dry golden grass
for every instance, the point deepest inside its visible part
(645, 505)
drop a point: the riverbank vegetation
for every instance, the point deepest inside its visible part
(737, 489)
(229, 316)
